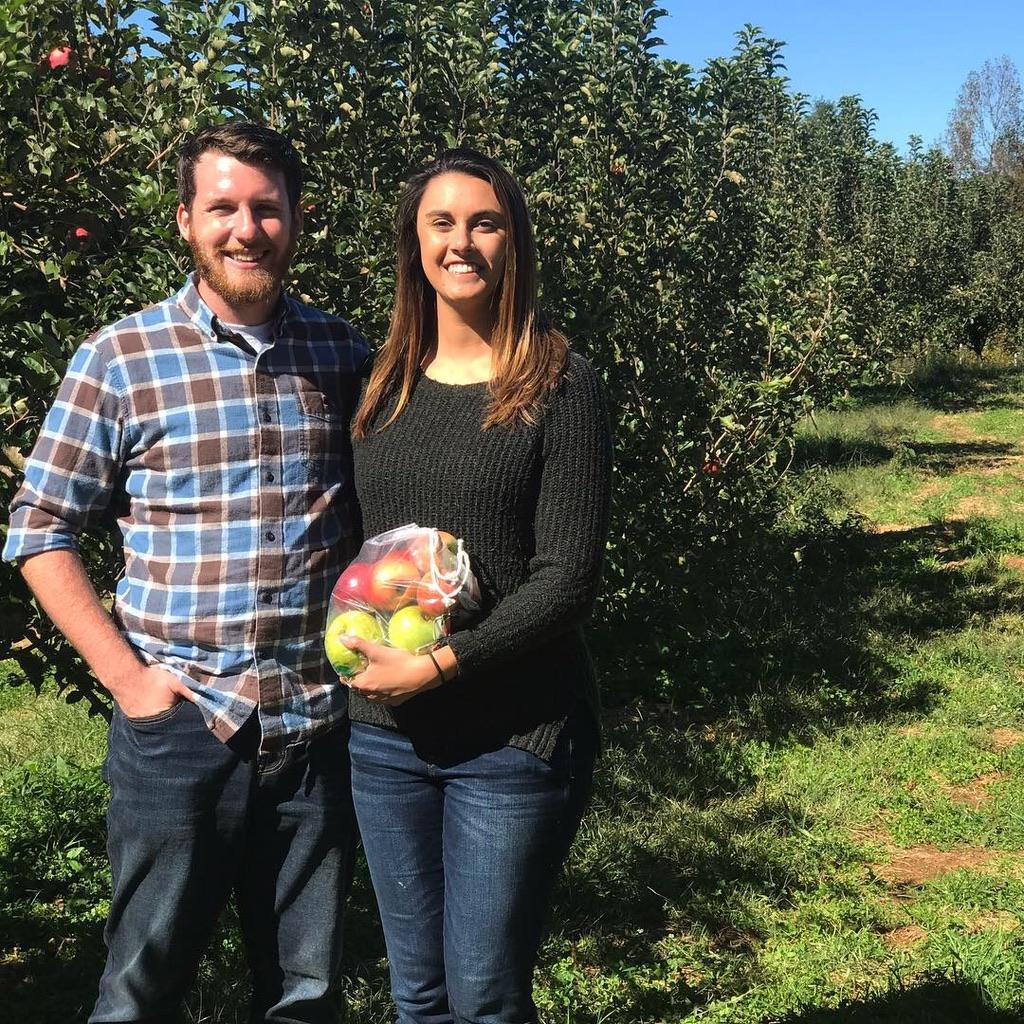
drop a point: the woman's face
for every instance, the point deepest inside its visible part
(462, 234)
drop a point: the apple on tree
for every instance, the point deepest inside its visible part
(79, 237)
(59, 57)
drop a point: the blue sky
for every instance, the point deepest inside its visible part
(905, 58)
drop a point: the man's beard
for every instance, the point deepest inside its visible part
(261, 284)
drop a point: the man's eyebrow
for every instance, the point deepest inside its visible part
(227, 197)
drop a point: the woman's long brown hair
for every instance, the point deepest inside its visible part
(527, 357)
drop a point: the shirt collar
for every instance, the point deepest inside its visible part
(191, 303)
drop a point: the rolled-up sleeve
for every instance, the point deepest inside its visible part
(73, 469)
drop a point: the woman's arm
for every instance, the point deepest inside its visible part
(570, 530)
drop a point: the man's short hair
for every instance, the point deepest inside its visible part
(246, 141)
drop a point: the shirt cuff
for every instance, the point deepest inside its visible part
(21, 544)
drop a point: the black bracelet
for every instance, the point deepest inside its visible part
(440, 674)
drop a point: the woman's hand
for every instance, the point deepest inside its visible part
(391, 675)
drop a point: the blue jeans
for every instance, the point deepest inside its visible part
(463, 860)
(192, 819)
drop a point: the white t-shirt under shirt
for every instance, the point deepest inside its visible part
(257, 336)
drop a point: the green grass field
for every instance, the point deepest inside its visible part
(838, 836)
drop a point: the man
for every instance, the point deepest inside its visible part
(214, 424)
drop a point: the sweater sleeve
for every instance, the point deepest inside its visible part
(570, 530)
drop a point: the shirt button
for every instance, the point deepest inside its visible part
(267, 418)
(267, 597)
(270, 478)
(270, 535)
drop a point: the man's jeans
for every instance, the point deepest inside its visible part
(463, 860)
(192, 819)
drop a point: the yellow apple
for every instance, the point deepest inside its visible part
(411, 630)
(351, 623)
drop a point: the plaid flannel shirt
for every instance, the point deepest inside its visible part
(230, 476)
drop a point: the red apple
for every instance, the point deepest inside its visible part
(443, 546)
(59, 56)
(392, 579)
(79, 237)
(353, 586)
(434, 599)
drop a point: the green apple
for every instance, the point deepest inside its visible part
(411, 630)
(351, 623)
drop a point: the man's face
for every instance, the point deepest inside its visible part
(241, 230)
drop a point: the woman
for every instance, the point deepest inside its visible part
(471, 765)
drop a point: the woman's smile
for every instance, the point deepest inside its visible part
(462, 235)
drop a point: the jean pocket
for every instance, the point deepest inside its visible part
(159, 718)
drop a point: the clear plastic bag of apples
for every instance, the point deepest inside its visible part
(406, 588)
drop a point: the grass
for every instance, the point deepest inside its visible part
(44, 727)
(828, 830)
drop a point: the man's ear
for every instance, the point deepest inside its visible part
(184, 221)
(300, 218)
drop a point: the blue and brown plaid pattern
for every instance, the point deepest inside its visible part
(230, 478)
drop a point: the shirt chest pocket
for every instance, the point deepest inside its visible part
(315, 405)
(323, 436)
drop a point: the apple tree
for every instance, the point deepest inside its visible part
(727, 256)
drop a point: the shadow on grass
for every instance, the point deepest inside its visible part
(807, 630)
(831, 450)
(51, 958)
(943, 457)
(937, 1001)
(950, 387)
(940, 457)
(50, 968)
(780, 650)
(971, 389)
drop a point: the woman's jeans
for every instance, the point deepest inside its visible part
(463, 860)
(192, 819)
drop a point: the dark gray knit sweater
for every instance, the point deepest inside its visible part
(531, 505)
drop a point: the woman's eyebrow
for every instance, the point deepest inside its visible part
(479, 213)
